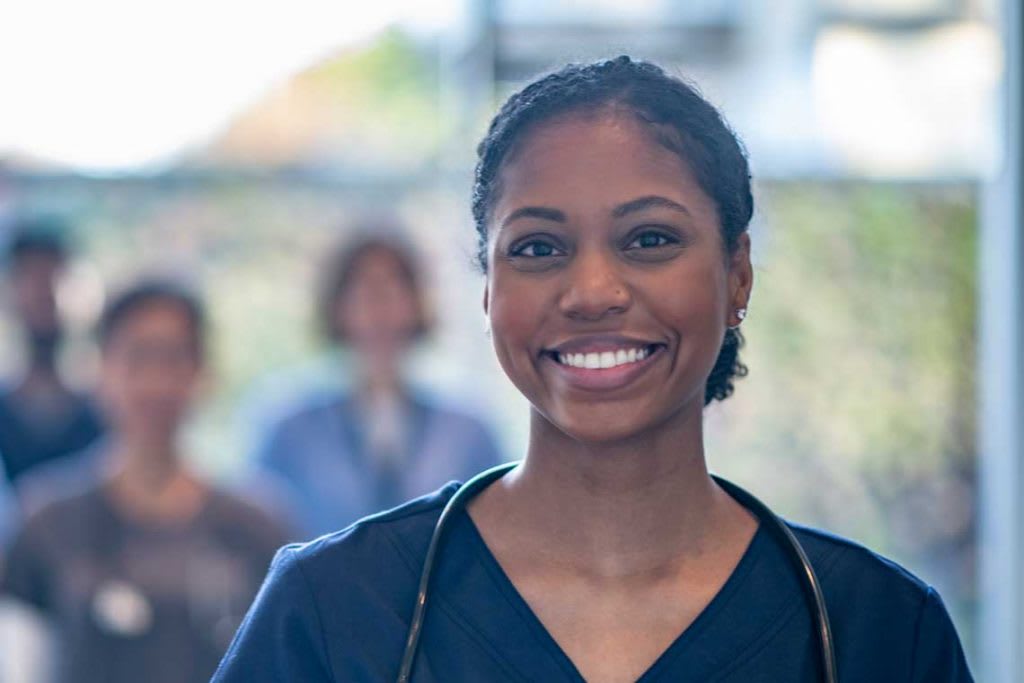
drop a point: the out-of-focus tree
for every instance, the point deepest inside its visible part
(859, 410)
(372, 110)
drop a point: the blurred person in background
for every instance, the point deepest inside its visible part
(41, 418)
(345, 455)
(143, 569)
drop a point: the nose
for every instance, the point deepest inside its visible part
(595, 287)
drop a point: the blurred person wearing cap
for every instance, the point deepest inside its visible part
(41, 418)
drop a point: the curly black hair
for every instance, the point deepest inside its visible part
(680, 119)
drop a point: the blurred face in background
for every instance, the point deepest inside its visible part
(151, 371)
(34, 278)
(377, 313)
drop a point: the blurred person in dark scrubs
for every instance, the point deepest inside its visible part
(142, 567)
(41, 418)
(343, 455)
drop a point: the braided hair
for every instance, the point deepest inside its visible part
(680, 119)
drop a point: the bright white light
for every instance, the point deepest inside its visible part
(114, 84)
(909, 105)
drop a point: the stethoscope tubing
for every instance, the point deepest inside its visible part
(782, 532)
(812, 587)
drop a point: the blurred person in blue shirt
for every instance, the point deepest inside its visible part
(41, 418)
(143, 568)
(349, 453)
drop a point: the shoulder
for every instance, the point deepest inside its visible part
(61, 490)
(845, 566)
(386, 547)
(61, 480)
(452, 416)
(240, 514)
(877, 605)
(301, 424)
(52, 528)
(369, 568)
(312, 407)
(338, 603)
(48, 539)
(312, 414)
(442, 407)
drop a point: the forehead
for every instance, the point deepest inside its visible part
(600, 161)
(155, 320)
(377, 260)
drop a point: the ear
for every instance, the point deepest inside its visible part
(487, 296)
(741, 278)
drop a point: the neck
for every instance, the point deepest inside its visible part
(146, 463)
(619, 508)
(379, 384)
(150, 484)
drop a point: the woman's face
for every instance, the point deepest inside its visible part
(608, 287)
(378, 310)
(150, 372)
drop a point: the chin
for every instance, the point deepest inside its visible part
(609, 422)
(601, 426)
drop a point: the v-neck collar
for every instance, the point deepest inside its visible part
(516, 631)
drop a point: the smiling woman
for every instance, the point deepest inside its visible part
(621, 260)
(612, 205)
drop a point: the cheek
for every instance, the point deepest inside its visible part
(115, 390)
(695, 308)
(697, 291)
(514, 321)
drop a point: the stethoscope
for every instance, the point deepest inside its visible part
(774, 524)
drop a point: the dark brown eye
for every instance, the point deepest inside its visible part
(650, 239)
(535, 249)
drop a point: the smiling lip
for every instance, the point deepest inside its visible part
(602, 363)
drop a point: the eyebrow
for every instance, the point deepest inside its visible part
(632, 206)
(649, 202)
(541, 212)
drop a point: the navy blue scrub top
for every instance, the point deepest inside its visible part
(337, 609)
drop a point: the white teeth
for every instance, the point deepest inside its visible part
(604, 359)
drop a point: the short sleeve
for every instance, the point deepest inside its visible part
(26, 574)
(938, 655)
(281, 638)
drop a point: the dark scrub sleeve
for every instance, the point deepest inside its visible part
(281, 638)
(938, 656)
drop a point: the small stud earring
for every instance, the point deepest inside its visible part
(741, 314)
